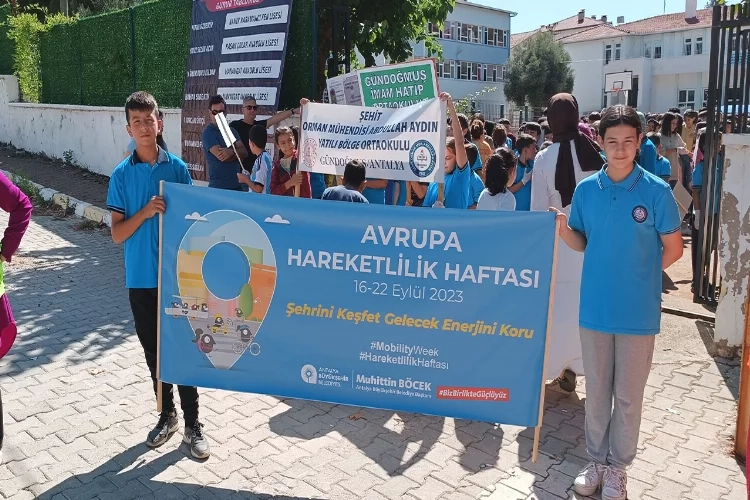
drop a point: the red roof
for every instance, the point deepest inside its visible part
(668, 22)
(571, 23)
(596, 30)
(595, 33)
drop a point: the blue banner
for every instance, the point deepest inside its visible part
(434, 311)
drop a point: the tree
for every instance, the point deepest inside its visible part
(538, 69)
(247, 300)
(380, 27)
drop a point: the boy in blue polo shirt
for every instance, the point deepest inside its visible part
(626, 222)
(133, 200)
(259, 180)
(663, 169)
(521, 187)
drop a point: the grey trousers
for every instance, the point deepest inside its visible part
(616, 368)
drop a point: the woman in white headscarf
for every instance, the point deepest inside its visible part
(557, 170)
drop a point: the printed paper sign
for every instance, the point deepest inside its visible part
(398, 85)
(364, 306)
(400, 144)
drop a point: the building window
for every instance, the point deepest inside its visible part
(618, 51)
(688, 47)
(686, 99)
(657, 50)
(607, 54)
(505, 38)
(699, 45)
(647, 49)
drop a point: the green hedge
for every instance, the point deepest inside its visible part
(97, 61)
(7, 47)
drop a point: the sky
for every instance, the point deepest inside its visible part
(531, 15)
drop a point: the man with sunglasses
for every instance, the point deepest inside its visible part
(223, 165)
(249, 113)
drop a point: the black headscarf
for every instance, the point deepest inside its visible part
(562, 117)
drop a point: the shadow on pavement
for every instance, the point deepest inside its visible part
(131, 475)
(727, 367)
(68, 294)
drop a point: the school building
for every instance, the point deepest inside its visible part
(658, 62)
(476, 46)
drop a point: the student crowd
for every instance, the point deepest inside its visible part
(606, 177)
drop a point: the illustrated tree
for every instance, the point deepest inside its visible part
(247, 300)
(537, 70)
(380, 27)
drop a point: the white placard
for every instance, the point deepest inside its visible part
(265, 42)
(395, 143)
(257, 70)
(264, 96)
(257, 17)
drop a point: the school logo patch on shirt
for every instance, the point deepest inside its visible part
(640, 213)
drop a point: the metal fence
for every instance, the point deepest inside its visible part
(728, 106)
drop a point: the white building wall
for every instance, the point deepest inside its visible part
(96, 136)
(659, 80)
(586, 62)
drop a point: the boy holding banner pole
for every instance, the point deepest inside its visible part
(134, 200)
(622, 219)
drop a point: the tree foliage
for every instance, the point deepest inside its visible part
(381, 27)
(538, 69)
(24, 30)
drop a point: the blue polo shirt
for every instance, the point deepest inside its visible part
(647, 158)
(622, 275)
(477, 186)
(663, 168)
(374, 196)
(221, 174)
(523, 195)
(390, 191)
(317, 184)
(456, 191)
(698, 183)
(131, 186)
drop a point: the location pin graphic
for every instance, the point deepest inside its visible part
(226, 274)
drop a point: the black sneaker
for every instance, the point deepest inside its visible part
(567, 381)
(197, 440)
(167, 425)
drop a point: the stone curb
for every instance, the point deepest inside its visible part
(82, 209)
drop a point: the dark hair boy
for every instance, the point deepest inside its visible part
(133, 200)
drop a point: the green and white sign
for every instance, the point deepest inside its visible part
(398, 85)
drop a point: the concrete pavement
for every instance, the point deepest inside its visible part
(78, 405)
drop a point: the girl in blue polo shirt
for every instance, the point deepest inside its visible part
(626, 222)
(458, 174)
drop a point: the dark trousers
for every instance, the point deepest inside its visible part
(144, 303)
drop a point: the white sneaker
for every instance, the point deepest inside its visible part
(615, 485)
(589, 479)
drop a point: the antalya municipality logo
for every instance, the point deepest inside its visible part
(639, 214)
(422, 158)
(309, 374)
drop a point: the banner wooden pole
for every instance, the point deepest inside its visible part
(743, 410)
(158, 311)
(538, 429)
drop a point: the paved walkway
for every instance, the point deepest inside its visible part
(78, 405)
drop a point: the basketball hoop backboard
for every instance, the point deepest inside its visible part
(618, 82)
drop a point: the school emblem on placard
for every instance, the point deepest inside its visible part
(640, 213)
(309, 153)
(422, 158)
